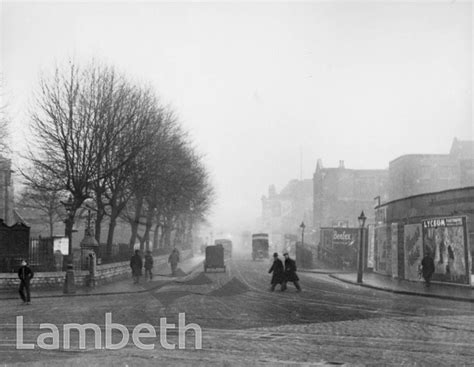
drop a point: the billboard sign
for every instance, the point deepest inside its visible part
(383, 249)
(413, 250)
(445, 239)
(345, 236)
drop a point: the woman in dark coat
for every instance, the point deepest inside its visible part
(290, 273)
(277, 269)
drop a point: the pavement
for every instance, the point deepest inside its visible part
(161, 277)
(455, 292)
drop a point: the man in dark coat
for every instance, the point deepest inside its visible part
(148, 265)
(173, 259)
(25, 274)
(427, 268)
(136, 264)
(278, 271)
(290, 273)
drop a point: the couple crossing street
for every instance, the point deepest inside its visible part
(284, 273)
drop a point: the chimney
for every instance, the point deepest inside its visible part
(319, 164)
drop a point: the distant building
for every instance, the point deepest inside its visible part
(282, 213)
(415, 174)
(340, 194)
(6, 192)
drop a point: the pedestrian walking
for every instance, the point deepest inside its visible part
(148, 265)
(427, 268)
(25, 274)
(450, 267)
(290, 273)
(136, 264)
(173, 259)
(278, 276)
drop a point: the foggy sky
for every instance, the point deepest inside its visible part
(258, 84)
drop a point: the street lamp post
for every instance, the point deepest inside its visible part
(360, 262)
(69, 283)
(302, 226)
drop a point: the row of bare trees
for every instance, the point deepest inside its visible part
(104, 140)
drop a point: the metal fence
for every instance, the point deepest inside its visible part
(40, 257)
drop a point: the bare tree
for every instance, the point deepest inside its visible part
(184, 193)
(45, 202)
(98, 136)
(169, 187)
(82, 118)
(116, 188)
(146, 178)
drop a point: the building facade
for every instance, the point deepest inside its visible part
(282, 213)
(340, 194)
(415, 174)
(6, 192)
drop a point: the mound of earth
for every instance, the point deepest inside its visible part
(231, 288)
(199, 280)
(179, 273)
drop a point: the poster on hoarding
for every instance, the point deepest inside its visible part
(384, 249)
(394, 249)
(413, 246)
(345, 242)
(371, 247)
(326, 237)
(444, 239)
(61, 244)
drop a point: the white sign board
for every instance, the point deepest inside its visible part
(61, 244)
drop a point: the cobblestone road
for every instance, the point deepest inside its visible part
(329, 323)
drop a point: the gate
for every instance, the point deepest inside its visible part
(41, 256)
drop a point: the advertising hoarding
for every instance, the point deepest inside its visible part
(371, 247)
(383, 250)
(413, 246)
(394, 249)
(445, 239)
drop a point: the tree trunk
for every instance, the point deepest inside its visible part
(110, 234)
(136, 222)
(156, 237)
(100, 215)
(167, 237)
(162, 237)
(51, 227)
(148, 224)
(98, 225)
(189, 236)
